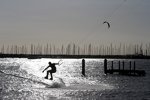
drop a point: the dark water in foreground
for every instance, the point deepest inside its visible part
(21, 80)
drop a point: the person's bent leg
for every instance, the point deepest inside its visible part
(51, 76)
(46, 77)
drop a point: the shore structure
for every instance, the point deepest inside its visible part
(131, 71)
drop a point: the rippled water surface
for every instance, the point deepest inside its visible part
(22, 78)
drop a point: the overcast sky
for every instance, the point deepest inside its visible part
(78, 21)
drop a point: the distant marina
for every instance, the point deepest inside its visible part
(36, 56)
(121, 51)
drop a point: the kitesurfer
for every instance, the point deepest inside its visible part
(52, 70)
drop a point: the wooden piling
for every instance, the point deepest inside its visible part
(83, 67)
(105, 66)
(123, 65)
(112, 63)
(134, 67)
(130, 66)
(119, 66)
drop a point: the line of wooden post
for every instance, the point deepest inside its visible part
(120, 70)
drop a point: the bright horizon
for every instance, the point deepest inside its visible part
(74, 21)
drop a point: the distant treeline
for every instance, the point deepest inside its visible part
(74, 49)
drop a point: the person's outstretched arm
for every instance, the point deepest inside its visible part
(56, 63)
(45, 68)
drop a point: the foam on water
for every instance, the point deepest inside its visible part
(68, 79)
(56, 83)
(69, 73)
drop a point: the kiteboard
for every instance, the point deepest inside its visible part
(55, 83)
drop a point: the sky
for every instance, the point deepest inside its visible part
(74, 21)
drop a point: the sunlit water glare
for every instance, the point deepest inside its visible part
(68, 82)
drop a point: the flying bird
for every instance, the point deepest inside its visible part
(107, 23)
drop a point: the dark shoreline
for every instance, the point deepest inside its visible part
(37, 56)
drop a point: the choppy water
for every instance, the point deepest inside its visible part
(71, 85)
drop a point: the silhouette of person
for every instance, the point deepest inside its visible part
(53, 70)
